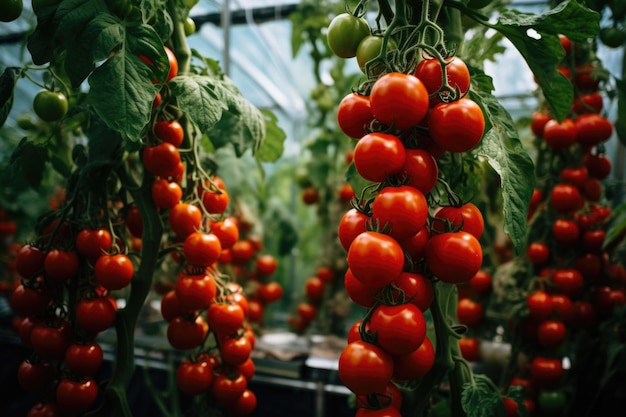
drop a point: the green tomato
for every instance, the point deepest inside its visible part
(42, 4)
(190, 26)
(551, 401)
(49, 105)
(24, 122)
(345, 32)
(368, 49)
(10, 10)
(613, 37)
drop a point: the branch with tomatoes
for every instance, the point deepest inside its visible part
(127, 119)
(424, 126)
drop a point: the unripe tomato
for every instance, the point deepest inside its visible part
(50, 106)
(10, 10)
(344, 34)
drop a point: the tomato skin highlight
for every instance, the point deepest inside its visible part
(399, 100)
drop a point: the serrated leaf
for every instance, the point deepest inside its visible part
(125, 77)
(201, 97)
(7, 86)
(506, 155)
(121, 94)
(72, 16)
(479, 398)
(544, 52)
(273, 146)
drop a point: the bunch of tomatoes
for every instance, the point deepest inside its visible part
(81, 271)
(401, 243)
(576, 281)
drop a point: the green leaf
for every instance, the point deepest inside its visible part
(620, 122)
(506, 155)
(72, 16)
(542, 50)
(516, 393)
(28, 161)
(273, 146)
(40, 42)
(480, 398)
(203, 98)
(101, 36)
(616, 226)
(7, 86)
(120, 91)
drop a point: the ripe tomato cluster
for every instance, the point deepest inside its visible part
(576, 281)
(399, 241)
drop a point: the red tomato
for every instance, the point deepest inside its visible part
(185, 219)
(593, 190)
(375, 259)
(378, 412)
(215, 201)
(400, 329)
(44, 410)
(420, 169)
(134, 222)
(186, 334)
(457, 126)
(35, 376)
(60, 265)
(270, 292)
(599, 166)
(27, 301)
(310, 195)
(585, 79)
(429, 71)
(576, 176)
(379, 155)
(566, 198)
(51, 342)
(95, 315)
(194, 378)
(76, 397)
(589, 265)
(585, 314)
(228, 388)
(565, 43)
(202, 249)
(114, 272)
(454, 257)
(417, 289)
(266, 265)
(414, 246)
(470, 348)
(538, 253)
(358, 292)
(469, 312)
(161, 160)
(466, 217)
(92, 243)
(306, 312)
(225, 319)
(244, 405)
(559, 135)
(565, 231)
(326, 274)
(227, 231)
(480, 284)
(568, 281)
(352, 224)
(346, 192)
(391, 397)
(166, 194)
(195, 292)
(173, 71)
(414, 365)
(242, 251)
(401, 211)
(84, 359)
(399, 100)
(538, 122)
(365, 368)
(588, 103)
(169, 131)
(551, 333)
(354, 115)
(545, 371)
(314, 289)
(539, 305)
(255, 311)
(29, 261)
(169, 306)
(592, 129)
